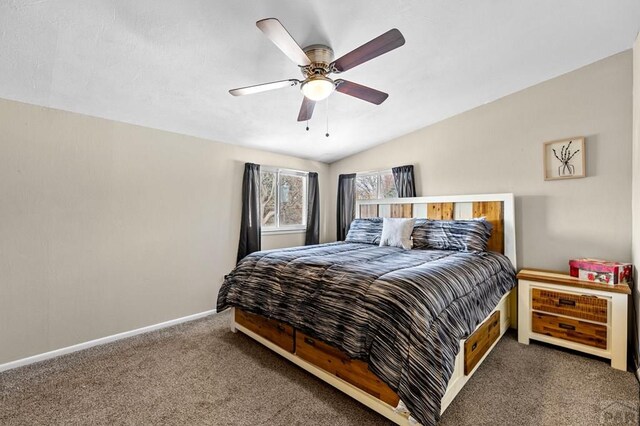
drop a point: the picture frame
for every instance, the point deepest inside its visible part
(564, 159)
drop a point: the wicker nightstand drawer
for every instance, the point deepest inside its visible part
(591, 308)
(570, 329)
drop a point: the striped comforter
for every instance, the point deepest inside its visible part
(402, 311)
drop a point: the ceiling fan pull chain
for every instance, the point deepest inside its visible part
(327, 134)
(307, 125)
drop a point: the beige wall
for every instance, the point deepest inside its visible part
(636, 189)
(275, 241)
(498, 148)
(106, 227)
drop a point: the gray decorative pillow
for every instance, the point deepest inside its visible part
(397, 232)
(365, 231)
(459, 235)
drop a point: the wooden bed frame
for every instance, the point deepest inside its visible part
(352, 376)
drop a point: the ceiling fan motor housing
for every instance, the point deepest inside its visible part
(321, 57)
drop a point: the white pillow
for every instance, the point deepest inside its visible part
(397, 233)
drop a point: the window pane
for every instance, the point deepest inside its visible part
(366, 187)
(387, 185)
(268, 198)
(292, 199)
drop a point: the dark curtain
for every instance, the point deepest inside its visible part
(313, 211)
(250, 225)
(405, 183)
(634, 324)
(346, 204)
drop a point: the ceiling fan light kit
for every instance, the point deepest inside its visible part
(317, 88)
(316, 63)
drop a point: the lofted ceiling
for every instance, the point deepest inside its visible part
(169, 64)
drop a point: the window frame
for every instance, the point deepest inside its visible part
(285, 229)
(378, 174)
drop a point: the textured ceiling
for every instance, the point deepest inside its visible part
(169, 64)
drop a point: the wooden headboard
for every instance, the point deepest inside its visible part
(496, 208)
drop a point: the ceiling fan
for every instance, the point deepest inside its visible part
(316, 63)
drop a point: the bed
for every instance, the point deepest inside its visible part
(399, 330)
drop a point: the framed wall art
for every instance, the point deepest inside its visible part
(564, 159)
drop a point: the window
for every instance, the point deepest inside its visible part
(283, 199)
(375, 185)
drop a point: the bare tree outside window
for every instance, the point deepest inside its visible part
(283, 199)
(292, 190)
(367, 187)
(268, 198)
(374, 186)
(387, 185)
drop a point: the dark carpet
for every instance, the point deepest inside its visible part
(199, 373)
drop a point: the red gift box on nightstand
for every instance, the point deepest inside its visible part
(601, 271)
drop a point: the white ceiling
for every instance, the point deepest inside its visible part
(169, 64)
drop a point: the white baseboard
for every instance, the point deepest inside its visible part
(101, 341)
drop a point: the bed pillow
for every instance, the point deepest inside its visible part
(397, 232)
(365, 231)
(459, 235)
(420, 235)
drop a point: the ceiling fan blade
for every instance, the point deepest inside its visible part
(306, 110)
(279, 35)
(388, 41)
(361, 92)
(249, 90)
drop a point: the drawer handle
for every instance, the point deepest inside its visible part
(475, 345)
(309, 341)
(566, 302)
(567, 326)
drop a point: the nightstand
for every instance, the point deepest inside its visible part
(562, 310)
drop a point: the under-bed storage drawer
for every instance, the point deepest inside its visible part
(480, 341)
(336, 362)
(589, 307)
(570, 329)
(274, 331)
